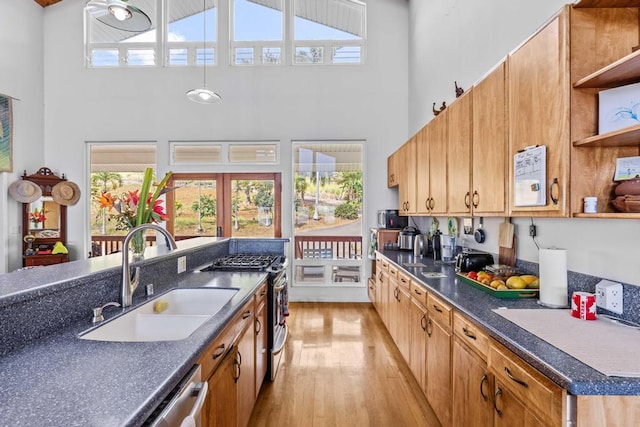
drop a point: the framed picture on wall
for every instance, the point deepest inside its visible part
(6, 134)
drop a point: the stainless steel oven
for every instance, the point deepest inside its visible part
(279, 310)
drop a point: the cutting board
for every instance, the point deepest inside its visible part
(507, 255)
(505, 233)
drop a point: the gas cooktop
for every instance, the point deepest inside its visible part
(237, 262)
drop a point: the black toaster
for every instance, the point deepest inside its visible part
(473, 261)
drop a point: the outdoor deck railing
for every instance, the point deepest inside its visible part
(332, 247)
(105, 245)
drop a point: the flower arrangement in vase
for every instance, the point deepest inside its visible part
(129, 212)
(37, 217)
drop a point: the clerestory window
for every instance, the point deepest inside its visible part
(261, 32)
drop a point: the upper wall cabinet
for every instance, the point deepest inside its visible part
(392, 170)
(603, 55)
(539, 95)
(490, 144)
(406, 159)
(432, 166)
(459, 140)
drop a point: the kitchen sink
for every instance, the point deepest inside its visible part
(185, 311)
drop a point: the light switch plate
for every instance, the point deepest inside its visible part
(182, 264)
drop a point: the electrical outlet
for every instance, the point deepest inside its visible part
(609, 296)
(182, 264)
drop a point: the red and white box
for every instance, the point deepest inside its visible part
(583, 305)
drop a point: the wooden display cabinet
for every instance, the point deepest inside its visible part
(53, 229)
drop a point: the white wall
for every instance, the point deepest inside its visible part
(21, 76)
(286, 103)
(460, 40)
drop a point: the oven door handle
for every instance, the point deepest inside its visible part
(277, 351)
(279, 288)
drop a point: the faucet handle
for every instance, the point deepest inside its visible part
(97, 312)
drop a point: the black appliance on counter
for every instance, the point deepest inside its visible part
(390, 218)
(277, 296)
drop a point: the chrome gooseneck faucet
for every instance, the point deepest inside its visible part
(129, 282)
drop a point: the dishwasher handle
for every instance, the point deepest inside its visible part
(201, 389)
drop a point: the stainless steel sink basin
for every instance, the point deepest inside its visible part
(186, 310)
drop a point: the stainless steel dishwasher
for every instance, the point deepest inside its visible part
(183, 406)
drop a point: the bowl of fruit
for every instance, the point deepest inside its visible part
(503, 283)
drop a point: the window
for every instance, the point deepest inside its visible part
(182, 35)
(110, 47)
(115, 168)
(328, 190)
(206, 153)
(186, 32)
(257, 44)
(183, 153)
(328, 31)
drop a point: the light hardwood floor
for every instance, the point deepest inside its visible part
(341, 368)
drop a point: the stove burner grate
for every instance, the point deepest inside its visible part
(257, 262)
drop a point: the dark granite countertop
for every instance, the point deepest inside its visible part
(62, 380)
(564, 370)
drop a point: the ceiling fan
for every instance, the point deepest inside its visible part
(119, 14)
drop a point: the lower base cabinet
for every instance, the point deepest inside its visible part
(221, 408)
(472, 388)
(438, 374)
(229, 364)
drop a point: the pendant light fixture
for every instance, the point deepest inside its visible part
(119, 14)
(203, 95)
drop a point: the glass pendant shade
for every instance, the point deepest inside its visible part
(203, 96)
(119, 14)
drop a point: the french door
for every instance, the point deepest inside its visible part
(224, 204)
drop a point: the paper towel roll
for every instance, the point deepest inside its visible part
(553, 278)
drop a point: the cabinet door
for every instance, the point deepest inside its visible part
(539, 110)
(439, 390)
(221, 407)
(490, 165)
(403, 321)
(407, 176)
(246, 354)
(262, 345)
(422, 171)
(418, 331)
(437, 136)
(392, 170)
(459, 137)
(472, 388)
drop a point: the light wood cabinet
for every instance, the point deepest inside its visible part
(472, 381)
(246, 376)
(523, 395)
(392, 170)
(401, 319)
(406, 171)
(432, 171)
(221, 407)
(262, 344)
(490, 149)
(384, 292)
(539, 101)
(418, 334)
(459, 144)
(439, 385)
(229, 366)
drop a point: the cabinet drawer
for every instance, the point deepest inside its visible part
(418, 293)
(382, 263)
(393, 271)
(404, 280)
(214, 354)
(471, 335)
(534, 390)
(439, 310)
(261, 294)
